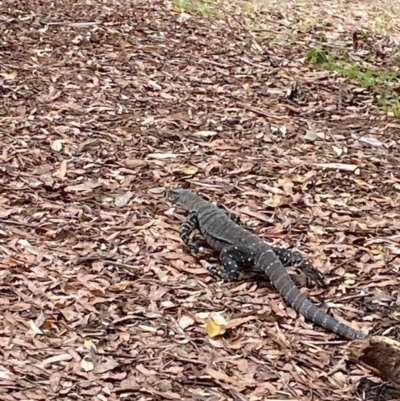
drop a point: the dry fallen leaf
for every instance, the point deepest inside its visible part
(190, 170)
(274, 200)
(162, 155)
(34, 328)
(311, 134)
(107, 99)
(185, 322)
(9, 76)
(215, 325)
(87, 365)
(56, 145)
(107, 365)
(82, 187)
(205, 133)
(90, 345)
(121, 286)
(135, 162)
(340, 166)
(57, 358)
(122, 200)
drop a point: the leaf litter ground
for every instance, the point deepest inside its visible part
(106, 104)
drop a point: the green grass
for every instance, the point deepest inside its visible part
(390, 104)
(381, 82)
(205, 8)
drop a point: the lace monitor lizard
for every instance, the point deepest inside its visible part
(237, 245)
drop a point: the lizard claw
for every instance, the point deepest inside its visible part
(194, 249)
(316, 277)
(221, 274)
(216, 273)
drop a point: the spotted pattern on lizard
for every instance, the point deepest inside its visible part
(238, 246)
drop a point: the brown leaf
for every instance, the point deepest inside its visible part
(82, 187)
(106, 366)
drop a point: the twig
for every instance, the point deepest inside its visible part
(118, 264)
(20, 223)
(254, 110)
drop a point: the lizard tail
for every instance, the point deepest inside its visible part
(279, 277)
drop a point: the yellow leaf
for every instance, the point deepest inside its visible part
(213, 329)
(361, 183)
(89, 344)
(9, 76)
(215, 325)
(177, 9)
(190, 170)
(317, 230)
(274, 200)
(283, 74)
(377, 251)
(205, 133)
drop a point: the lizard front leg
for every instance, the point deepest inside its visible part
(230, 256)
(187, 228)
(297, 260)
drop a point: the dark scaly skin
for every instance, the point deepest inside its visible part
(239, 246)
(292, 258)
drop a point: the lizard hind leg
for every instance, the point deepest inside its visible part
(187, 228)
(230, 257)
(297, 260)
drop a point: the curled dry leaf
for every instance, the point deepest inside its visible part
(56, 145)
(190, 170)
(34, 328)
(87, 365)
(185, 322)
(340, 166)
(216, 325)
(57, 358)
(106, 366)
(134, 100)
(89, 344)
(205, 133)
(135, 162)
(273, 201)
(122, 200)
(121, 286)
(162, 156)
(87, 185)
(9, 76)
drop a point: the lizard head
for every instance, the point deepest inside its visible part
(174, 194)
(182, 197)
